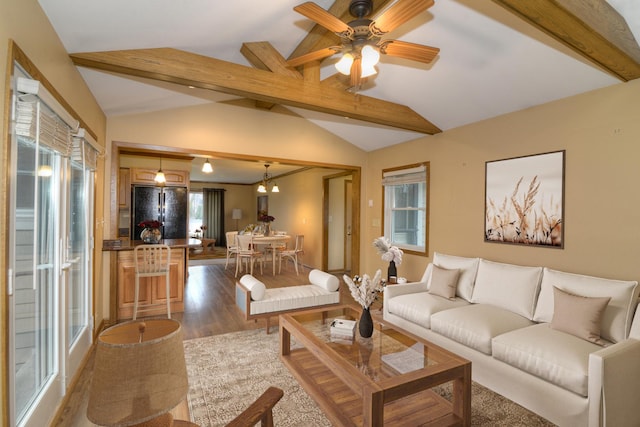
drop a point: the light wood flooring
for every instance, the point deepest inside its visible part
(209, 310)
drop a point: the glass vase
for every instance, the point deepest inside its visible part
(151, 235)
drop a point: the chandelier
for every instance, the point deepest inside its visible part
(266, 179)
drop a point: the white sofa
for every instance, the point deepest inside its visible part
(256, 301)
(531, 335)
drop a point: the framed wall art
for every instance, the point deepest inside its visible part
(263, 207)
(524, 200)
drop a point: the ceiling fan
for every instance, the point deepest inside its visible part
(361, 38)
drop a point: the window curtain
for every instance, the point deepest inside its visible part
(213, 215)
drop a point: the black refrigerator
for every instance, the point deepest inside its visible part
(169, 205)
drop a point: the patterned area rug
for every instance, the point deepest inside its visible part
(228, 372)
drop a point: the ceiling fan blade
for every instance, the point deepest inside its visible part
(312, 56)
(324, 18)
(356, 72)
(399, 13)
(407, 50)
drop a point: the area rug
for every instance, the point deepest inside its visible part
(228, 372)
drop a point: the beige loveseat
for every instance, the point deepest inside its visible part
(563, 345)
(256, 301)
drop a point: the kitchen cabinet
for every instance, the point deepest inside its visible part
(147, 176)
(152, 289)
(124, 188)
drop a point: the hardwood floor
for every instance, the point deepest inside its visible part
(209, 310)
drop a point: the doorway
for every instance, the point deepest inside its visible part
(341, 233)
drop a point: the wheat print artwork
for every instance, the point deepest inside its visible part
(524, 200)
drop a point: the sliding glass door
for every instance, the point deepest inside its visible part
(50, 266)
(34, 305)
(77, 262)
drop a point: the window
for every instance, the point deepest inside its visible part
(406, 207)
(195, 211)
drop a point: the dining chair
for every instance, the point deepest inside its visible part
(232, 247)
(247, 252)
(294, 254)
(151, 261)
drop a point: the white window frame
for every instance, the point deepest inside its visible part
(414, 174)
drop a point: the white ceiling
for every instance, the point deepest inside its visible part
(490, 63)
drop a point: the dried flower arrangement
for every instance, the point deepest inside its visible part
(364, 289)
(388, 251)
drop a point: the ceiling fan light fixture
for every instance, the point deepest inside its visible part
(368, 70)
(344, 64)
(206, 167)
(370, 56)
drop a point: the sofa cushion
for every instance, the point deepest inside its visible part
(444, 282)
(254, 285)
(618, 315)
(509, 286)
(476, 324)
(324, 280)
(552, 355)
(468, 268)
(578, 315)
(418, 307)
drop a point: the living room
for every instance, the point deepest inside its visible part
(598, 130)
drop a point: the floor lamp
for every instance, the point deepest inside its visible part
(236, 214)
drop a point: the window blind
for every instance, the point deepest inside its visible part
(85, 149)
(405, 176)
(39, 117)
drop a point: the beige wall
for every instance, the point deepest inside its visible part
(600, 132)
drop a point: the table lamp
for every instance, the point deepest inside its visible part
(236, 214)
(139, 374)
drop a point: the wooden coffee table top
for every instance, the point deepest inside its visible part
(377, 380)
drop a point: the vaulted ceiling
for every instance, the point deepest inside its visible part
(495, 57)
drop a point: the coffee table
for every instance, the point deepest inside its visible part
(385, 379)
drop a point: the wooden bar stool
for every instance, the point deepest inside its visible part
(151, 261)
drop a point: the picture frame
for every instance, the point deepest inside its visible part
(263, 207)
(524, 200)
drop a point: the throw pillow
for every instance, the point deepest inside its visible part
(444, 282)
(256, 287)
(578, 315)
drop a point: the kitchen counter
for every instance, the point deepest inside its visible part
(122, 268)
(126, 245)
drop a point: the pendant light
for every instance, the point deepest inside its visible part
(160, 178)
(206, 167)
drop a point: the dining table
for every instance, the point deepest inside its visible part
(273, 241)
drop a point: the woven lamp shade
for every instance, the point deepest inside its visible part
(137, 376)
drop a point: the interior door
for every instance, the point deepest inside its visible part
(348, 224)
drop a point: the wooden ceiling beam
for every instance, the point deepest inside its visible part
(264, 56)
(592, 28)
(189, 69)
